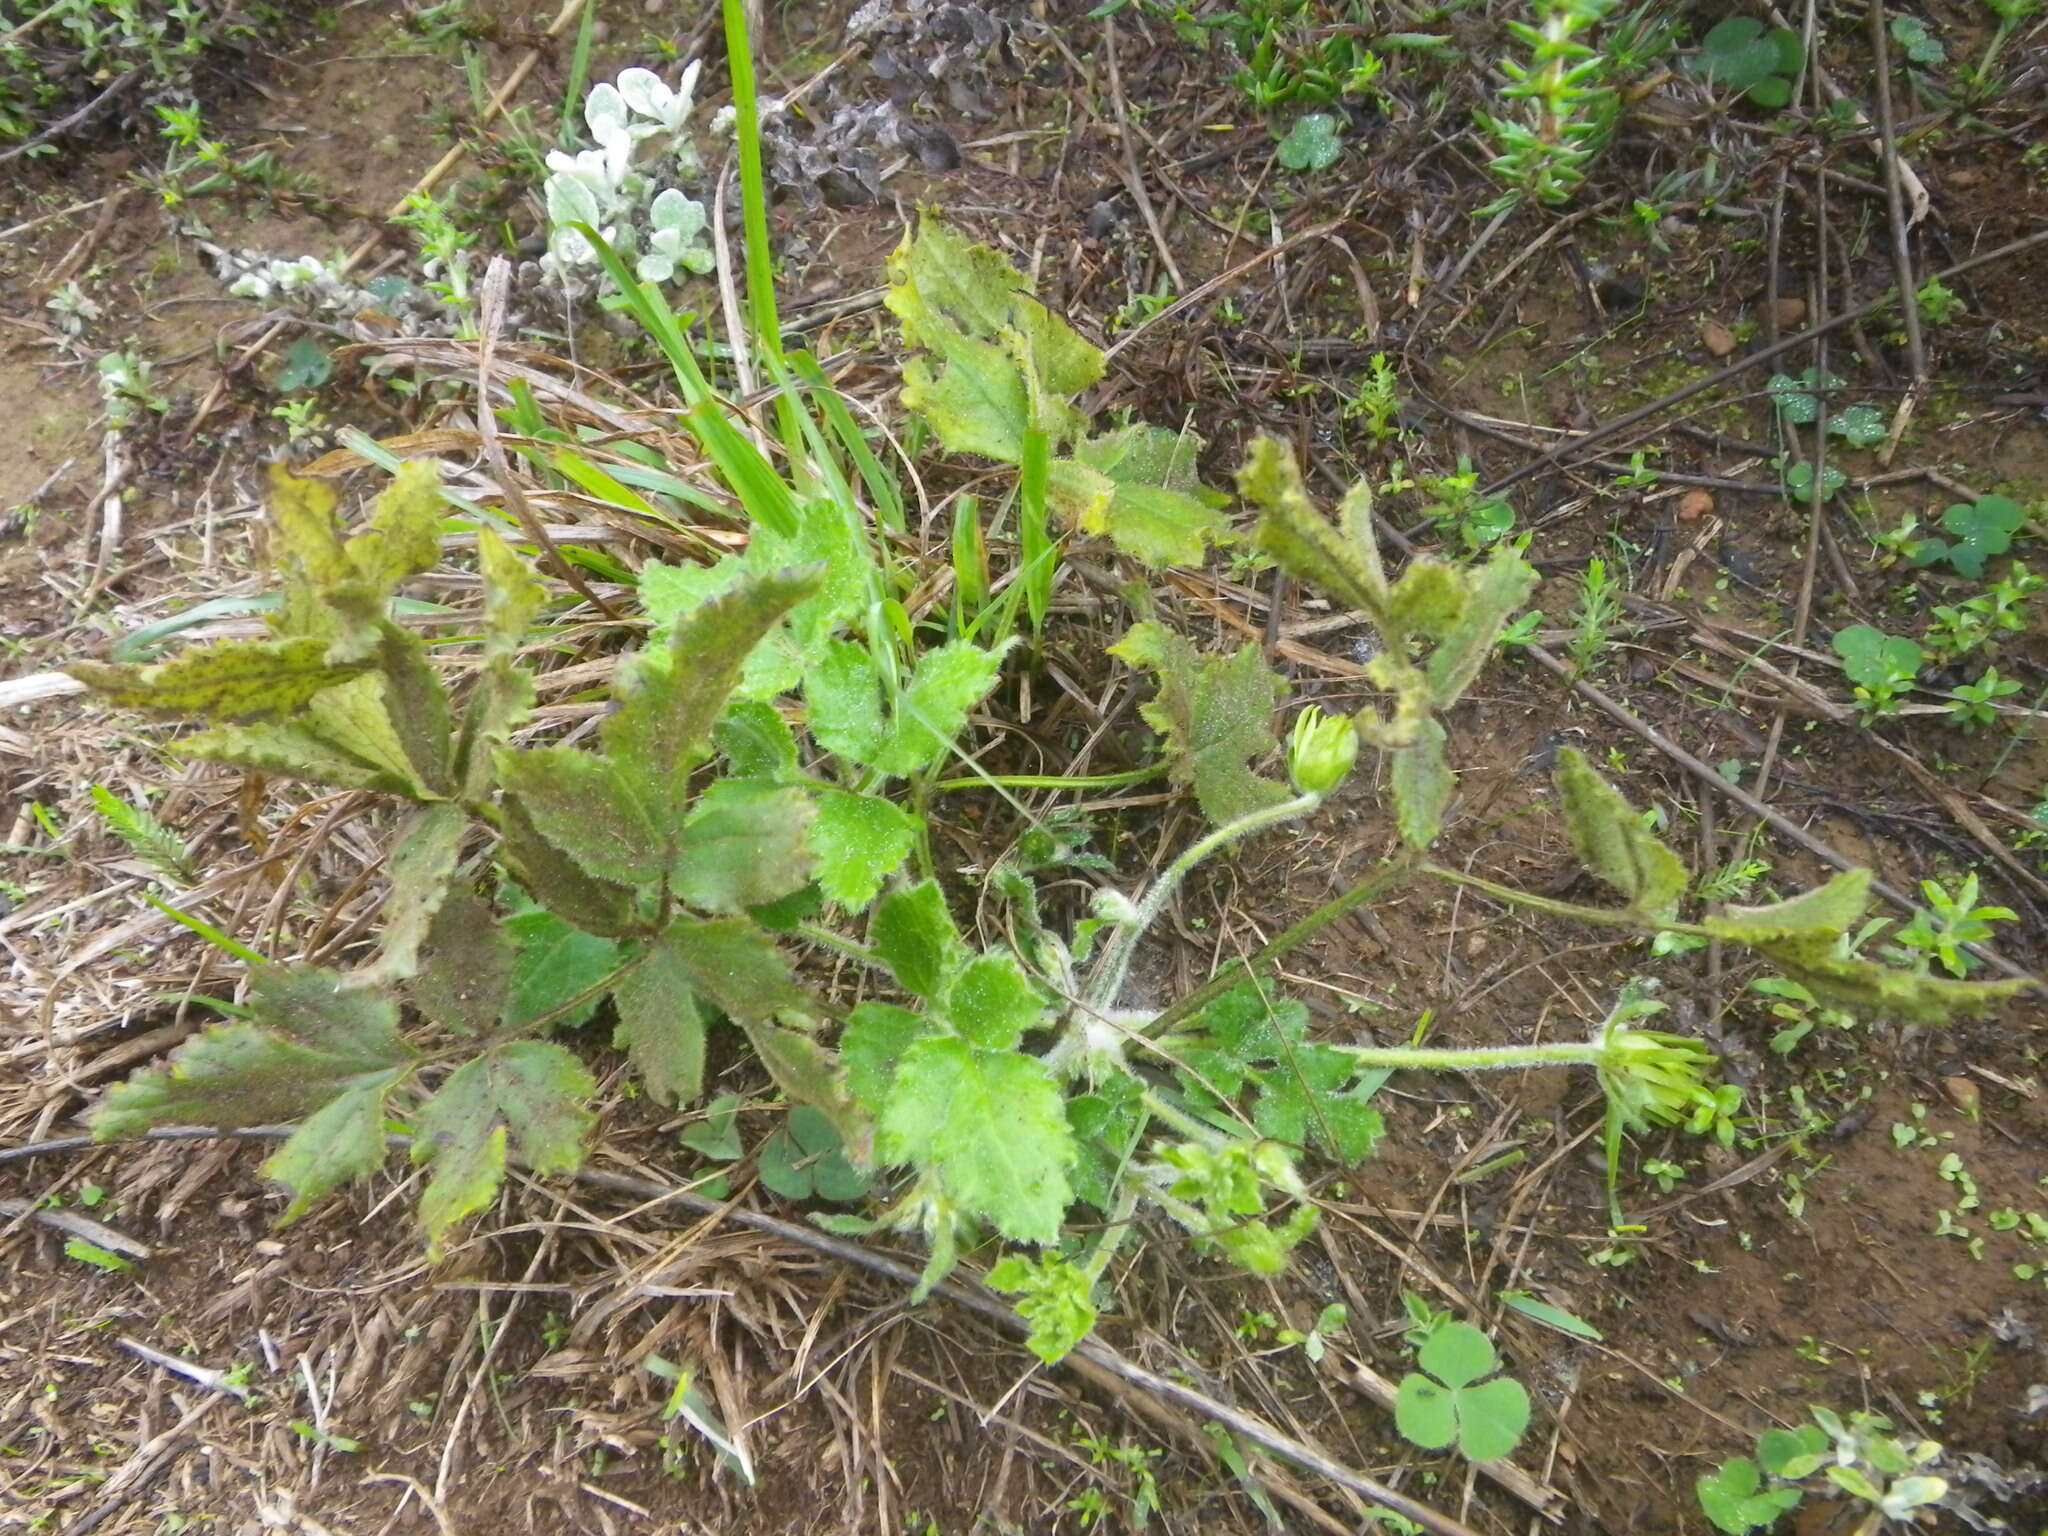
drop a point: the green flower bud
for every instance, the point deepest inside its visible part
(1320, 755)
(1655, 1078)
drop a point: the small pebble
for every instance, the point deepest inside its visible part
(1964, 1093)
(1791, 311)
(1695, 504)
(1718, 339)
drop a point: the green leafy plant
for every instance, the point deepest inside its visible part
(1454, 504)
(1976, 704)
(1378, 403)
(1450, 1400)
(1312, 144)
(1861, 1458)
(1881, 667)
(1977, 531)
(1938, 932)
(152, 842)
(1563, 105)
(1299, 53)
(1595, 616)
(1741, 54)
(997, 374)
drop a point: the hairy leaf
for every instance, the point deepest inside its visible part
(1000, 362)
(947, 682)
(290, 752)
(309, 552)
(1866, 988)
(734, 965)
(992, 1002)
(228, 680)
(1139, 485)
(1214, 714)
(527, 1099)
(913, 934)
(356, 717)
(661, 1027)
(512, 598)
(1495, 591)
(807, 1074)
(1613, 842)
(1304, 542)
(1825, 911)
(592, 809)
(1423, 784)
(422, 862)
(402, 538)
(340, 1141)
(871, 1045)
(417, 705)
(991, 1127)
(743, 846)
(313, 1040)
(558, 882)
(858, 842)
(665, 715)
(756, 741)
(468, 973)
(500, 701)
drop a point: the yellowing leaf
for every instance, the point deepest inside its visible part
(1214, 715)
(309, 552)
(290, 752)
(585, 805)
(356, 718)
(528, 1099)
(558, 882)
(229, 680)
(468, 968)
(1000, 363)
(665, 716)
(661, 1027)
(422, 861)
(1304, 542)
(1613, 842)
(1139, 486)
(402, 538)
(1422, 784)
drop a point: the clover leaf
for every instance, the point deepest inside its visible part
(1741, 54)
(1734, 1498)
(1452, 1404)
(806, 1157)
(1981, 529)
(1312, 144)
(1872, 658)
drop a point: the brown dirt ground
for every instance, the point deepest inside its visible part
(505, 1388)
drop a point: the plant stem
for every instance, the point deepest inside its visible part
(1054, 781)
(1109, 982)
(1476, 1058)
(1390, 874)
(1602, 917)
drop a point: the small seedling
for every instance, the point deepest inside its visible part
(1977, 531)
(1452, 1404)
(1743, 55)
(805, 1158)
(1882, 667)
(1975, 704)
(1312, 144)
(1939, 931)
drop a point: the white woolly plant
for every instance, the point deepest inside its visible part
(625, 187)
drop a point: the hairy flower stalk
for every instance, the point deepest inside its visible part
(1650, 1077)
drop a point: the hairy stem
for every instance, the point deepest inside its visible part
(1602, 917)
(1476, 1058)
(1387, 876)
(1109, 981)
